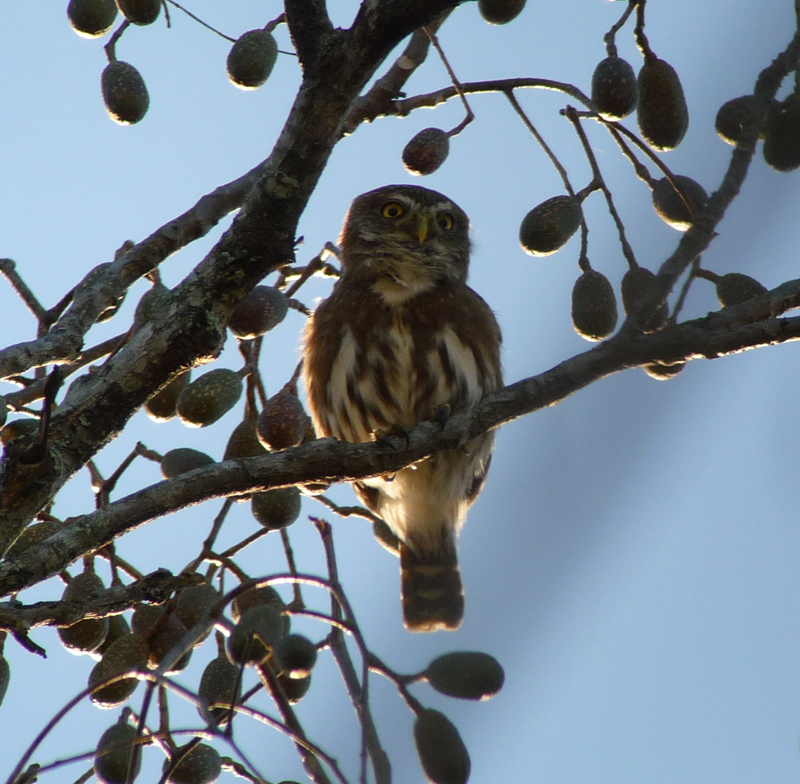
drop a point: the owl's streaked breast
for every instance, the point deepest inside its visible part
(371, 384)
(374, 383)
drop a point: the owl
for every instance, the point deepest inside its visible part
(400, 340)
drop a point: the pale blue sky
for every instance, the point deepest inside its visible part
(634, 562)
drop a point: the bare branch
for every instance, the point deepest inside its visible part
(379, 100)
(154, 588)
(64, 342)
(430, 100)
(9, 269)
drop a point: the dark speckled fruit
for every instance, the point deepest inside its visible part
(124, 93)
(614, 88)
(782, 136)
(140, 12)
(500, 11)
(91, 18)
(251, 59)
(468, 675)
(550, 225)
(662, 113)
(426, 151)
(594, 306)
(441, 751)
(114, 752)
(209, 397)
(679, 209)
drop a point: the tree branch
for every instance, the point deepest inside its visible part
(308, 25)
(64, 342)
(430, 100)
(155, 588)
(379, 100)
(750, 325)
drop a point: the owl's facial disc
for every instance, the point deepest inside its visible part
(405, 241)
(416, 222)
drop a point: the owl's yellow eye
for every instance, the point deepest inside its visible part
(392, 210)
(445, 221)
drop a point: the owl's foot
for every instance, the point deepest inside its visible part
(385, 435)
(441, 414)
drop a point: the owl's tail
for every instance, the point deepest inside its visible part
(432, 594)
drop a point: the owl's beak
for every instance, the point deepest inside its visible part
(422, 227)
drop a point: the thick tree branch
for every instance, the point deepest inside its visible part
(309, 26)
(65, 341)
(750, 325)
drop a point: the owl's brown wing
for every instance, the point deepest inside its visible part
(322, 338)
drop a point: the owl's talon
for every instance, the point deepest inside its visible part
(441, 414)
(386, 441)
(385, 435)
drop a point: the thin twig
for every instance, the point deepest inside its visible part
(120, 563)
(200, 21)
(608, 38)
(378, 101)
(317, 616)
(293, 736)
(627, 250)
(54, 314)
(638, 32)
(110, 47)
(310, 760)
(635, 139)
(215, 528)
(542, 143)
(400, 681)
(287, 549)
(454, 79)
(246, 542)
(295, 304)
(639, 168)
(85, 777)
(347, 511)
(694, 273)
(310, 269)
(34, 390)
(9, 268)
(107, 487)
(358, 691)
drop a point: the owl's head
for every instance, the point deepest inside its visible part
(410, 235)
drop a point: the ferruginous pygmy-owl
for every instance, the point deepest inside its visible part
(400, 338)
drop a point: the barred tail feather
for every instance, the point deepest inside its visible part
(431, 589)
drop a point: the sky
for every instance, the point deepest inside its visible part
(634, 560)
